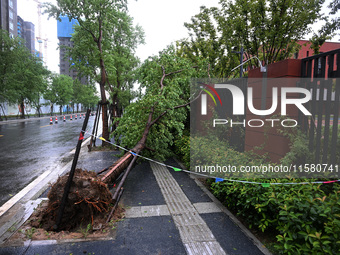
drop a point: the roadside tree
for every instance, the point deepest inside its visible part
(84, 94)
(22, 75)
(104, 44)
(59, 91)
(266, 29)
(159, 115)
(329, 29)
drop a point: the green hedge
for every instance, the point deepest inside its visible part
(305, 219)
(182, 149)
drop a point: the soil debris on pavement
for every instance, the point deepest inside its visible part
(88, 206)
(87, 198)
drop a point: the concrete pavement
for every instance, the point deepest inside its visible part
(167, 212)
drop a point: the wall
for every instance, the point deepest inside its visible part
(276, 144)
(13, 109)
(306, 51)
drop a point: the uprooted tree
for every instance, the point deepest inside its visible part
(149, 125)
(158, 116)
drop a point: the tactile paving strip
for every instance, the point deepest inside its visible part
(195, 233)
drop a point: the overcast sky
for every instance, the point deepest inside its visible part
(162, 21)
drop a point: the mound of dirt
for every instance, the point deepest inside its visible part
(32, 228)
(88, 197)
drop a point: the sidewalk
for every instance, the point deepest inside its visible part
(167, 212)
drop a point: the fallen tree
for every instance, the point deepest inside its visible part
(148, 125)
(152, 122)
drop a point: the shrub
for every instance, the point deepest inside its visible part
(182, 149)
(210, 150)
(305, 218)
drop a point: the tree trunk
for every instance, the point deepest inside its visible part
(114, 112)
(105, 129)
(105, 126)
(22, 106)
(60, 109)
(51, 109)
(119, 166)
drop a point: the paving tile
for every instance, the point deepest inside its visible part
(147, 211)
(209, 207)
(157, 210)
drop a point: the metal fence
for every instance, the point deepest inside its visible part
(321, 75)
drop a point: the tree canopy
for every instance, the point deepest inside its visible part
(267, 29)
(84, 94)
(104, 40)
(60, 90)
(22, 75)
(329, 29)
(160, 113)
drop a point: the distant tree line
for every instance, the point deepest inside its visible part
(25, 80)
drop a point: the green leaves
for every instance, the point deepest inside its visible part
(165, 80)
(303, 225)
(84, 94)
(329, 29)
(267, 29)
(304, 218)
(22, 75)
(104, 45)
(60, 90)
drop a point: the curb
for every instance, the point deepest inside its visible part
(12, 218)
(231, 216)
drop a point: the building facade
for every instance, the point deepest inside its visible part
(26, 31)
(29, 36)
(8, 16)
(65, 31)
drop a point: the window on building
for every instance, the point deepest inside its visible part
(10, 3)
(296, 55)
(11, 26)
(11, 14)
(307, 53)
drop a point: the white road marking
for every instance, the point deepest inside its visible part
(22, 193)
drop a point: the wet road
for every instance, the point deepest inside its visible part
(28, 149)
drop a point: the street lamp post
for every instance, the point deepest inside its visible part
(241, 59)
